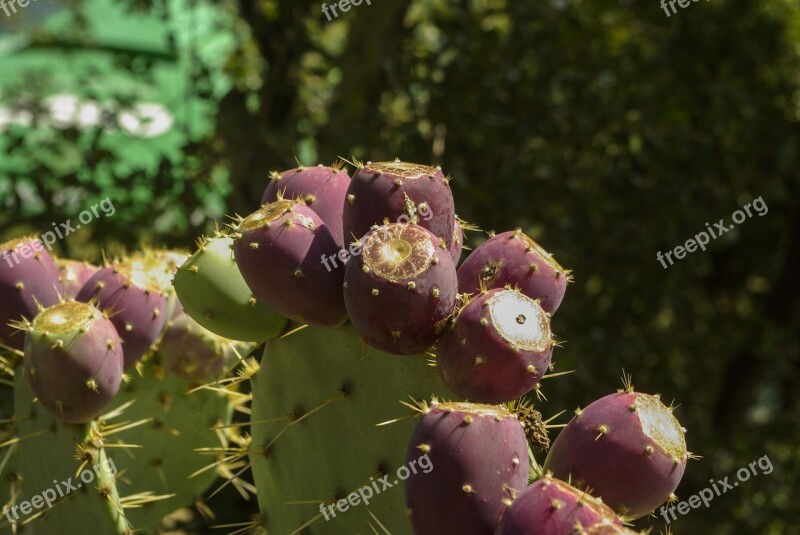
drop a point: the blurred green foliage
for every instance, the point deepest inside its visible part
(604, 129)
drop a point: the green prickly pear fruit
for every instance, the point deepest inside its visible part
(212, 291)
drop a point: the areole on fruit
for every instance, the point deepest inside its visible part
(399, 252)
(266, 215)
(547, 257)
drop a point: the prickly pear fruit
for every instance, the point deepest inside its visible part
(280, 250)
(498, 347)
(552, 507)
(512, 258)
(73, 275)
(323, 189)
(401, 289)
(480, 462)
(27, 275)
(299, 404)
(399, 192)
(73, 360)
(457, 245)
(190, 351)
(211, 290)
(161, 266)
(134, 301)
(626, 448)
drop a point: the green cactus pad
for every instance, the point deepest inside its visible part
(213, 292)
(181, 423)
(316, 401)
(48, 454)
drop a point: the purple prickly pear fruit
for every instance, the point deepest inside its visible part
(479, 461)
(457, 245)
(552, 507)
(73, 275)
(134, 301)
(626, 448)
(323, 189)
(282, 251)
(190, 351)
(515, 259)
(27, 275)
(497, 349)
(400, 291)
(161, 265)
(399, 192)
(73, 360)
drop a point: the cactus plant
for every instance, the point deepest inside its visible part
(67, 466)
(323, 386)
(330, 447)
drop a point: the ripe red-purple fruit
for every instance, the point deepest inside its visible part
(626, 448)
(498, 347)
(512, 258)
(280, 250)
(322, 189)
(399, 192)
(135, 303)
(401, 289)
(553, 507)
(73, 274)
(73, 360)
(27, 275)
(479, 456)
